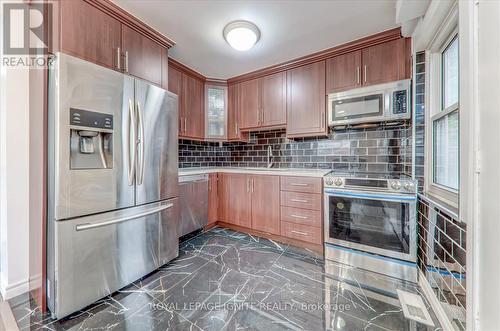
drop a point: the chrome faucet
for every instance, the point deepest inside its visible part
(269, 157)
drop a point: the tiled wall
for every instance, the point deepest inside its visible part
(441, 235)
(420, 119)
(379, 149)
(442, 257)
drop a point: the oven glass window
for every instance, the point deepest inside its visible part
(371, 105)
(377, 223)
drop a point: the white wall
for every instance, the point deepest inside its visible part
(14, 180)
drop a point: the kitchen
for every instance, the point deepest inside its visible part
(251, 167)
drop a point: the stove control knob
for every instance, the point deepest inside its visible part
(396, 185)
(409, 186)
(338, 181)
(329, 181)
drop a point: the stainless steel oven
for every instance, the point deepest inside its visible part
(378, 223)
(370, 217)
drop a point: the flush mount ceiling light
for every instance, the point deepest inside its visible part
(241, 35)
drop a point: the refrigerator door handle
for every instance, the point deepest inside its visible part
(131, 143)
(140, 142)
(87, 226)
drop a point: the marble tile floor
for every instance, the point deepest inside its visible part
(226, 280)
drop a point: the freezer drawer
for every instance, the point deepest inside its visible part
(193, 195)
(97, 255)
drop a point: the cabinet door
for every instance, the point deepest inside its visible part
(306, 101)
(233, 127)
(266, 203)
(235, 199)
(175, 86)
(273, 99)
(343, 72)
(90, 34)
(249, 104)
(192, 103)
(213, 203)
(384, 63)
(216, 112)
(143, 56)
(164, 68)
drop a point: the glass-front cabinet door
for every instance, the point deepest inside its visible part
(216, 112)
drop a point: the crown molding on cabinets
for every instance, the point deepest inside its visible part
(183, 68)
(348, 47)
(131, 21)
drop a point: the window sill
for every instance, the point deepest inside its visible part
(447, 208)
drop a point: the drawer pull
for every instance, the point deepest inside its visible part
(299, 216)
(299, 200)
(299, 232)
(298, 184)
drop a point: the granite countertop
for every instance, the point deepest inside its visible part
(256, 171)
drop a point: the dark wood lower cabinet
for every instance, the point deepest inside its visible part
(213, 199)
(251, 203)
(265, 202)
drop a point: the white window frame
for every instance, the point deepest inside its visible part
(434, 102)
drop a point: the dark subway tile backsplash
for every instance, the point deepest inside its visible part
(379, 149)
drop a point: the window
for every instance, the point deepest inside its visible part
(216, 106)
(443, 164)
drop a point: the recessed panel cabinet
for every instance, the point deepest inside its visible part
(233, 115)
(378, 64)
(192, 93)
(306, 101)
(142, 56)
(250, 201)
(87, 32)
(90, 34)
(263, 102)
(343, 72)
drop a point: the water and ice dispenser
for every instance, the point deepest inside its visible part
(91, 140)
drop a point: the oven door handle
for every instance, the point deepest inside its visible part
(371, 196)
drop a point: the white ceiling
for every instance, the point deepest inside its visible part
(289, 29)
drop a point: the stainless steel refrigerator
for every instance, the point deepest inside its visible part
(112, 182)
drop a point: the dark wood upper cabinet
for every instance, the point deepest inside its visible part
(143, 57)
(164, 68)
(273, 99)
(266, 203)
(193, 125)
(343, 72)
(233, 127)
(306, 101)
(90, 34)
(385, 62)
(249, 104)
(175, 86)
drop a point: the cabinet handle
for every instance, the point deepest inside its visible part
(126, 61)
(118, 58)
(298, 184)
(253, 185)
(358, 69)
(299, 216)
(299, 200)
(262, 112)
(248, 185)
(185, 124)
(365, 73)
(236, 129)
(300, 232)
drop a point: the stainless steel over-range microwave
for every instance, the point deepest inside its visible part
(376, 103)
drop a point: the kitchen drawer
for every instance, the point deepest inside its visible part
(301, 232)
(301, 200)
(301, 216)
(301, 184)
